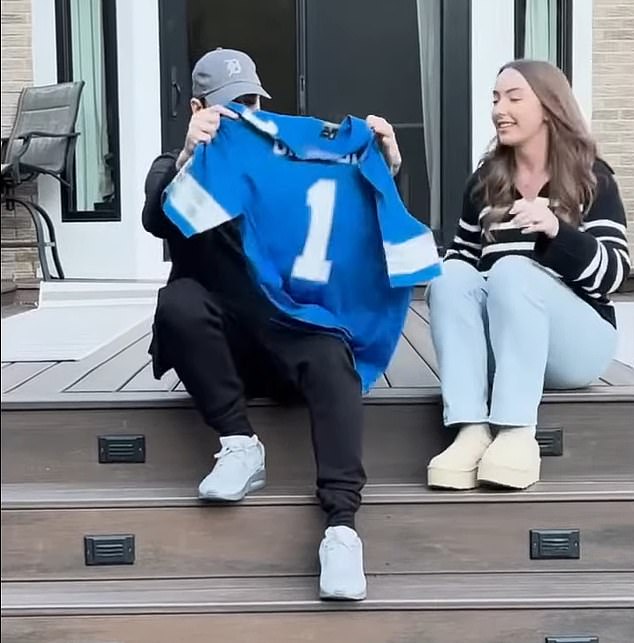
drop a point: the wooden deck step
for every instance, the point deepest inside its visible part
(118, 495)
(62, 446)
(116, 375)
(405, 626)
(522, 608)
(284, 594)
(277, 531)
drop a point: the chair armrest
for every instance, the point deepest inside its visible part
(29, 136)
(40, 134)
(5, 140)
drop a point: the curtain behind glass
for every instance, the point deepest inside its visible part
(93, 182)
(429, 35)
(541, 30)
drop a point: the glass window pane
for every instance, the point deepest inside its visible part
(94, 185)
(540, 41)
(429, 37)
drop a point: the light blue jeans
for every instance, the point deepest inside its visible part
(500, 340)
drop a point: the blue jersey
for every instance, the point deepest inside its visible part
(323, 226)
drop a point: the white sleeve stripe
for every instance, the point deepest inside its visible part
(619, 277)
(469, 244)
(468, 227)
(411, 256)
(603, 267)
(592, 266)
(196, 206)
(626, 257)
(503, 225)
(517, 246)
(617, 240)
(604, 223)
(469, 236)
(463, 253)
(466, 253)
(614, 262)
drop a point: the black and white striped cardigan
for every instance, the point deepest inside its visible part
(592, 259)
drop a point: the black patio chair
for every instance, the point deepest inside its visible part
(42, 142)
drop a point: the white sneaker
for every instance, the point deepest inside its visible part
(341, 559)
(239, 470)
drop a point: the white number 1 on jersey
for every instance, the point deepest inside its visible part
(312, 264)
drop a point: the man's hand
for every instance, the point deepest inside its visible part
(203, 126)
(387, 140)
(535, 216)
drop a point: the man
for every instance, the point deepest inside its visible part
(218, 330)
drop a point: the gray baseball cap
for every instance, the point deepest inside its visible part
(223, 75)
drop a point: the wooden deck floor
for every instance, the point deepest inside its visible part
(120, 375)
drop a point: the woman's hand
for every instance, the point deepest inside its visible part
(203, 127)
(387, 140)
(535, 216)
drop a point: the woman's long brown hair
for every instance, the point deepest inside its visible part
(571, 151)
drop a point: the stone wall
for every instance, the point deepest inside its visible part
(17, 71)
(613, 93)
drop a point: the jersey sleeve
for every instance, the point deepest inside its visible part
(211, 188)
(411, 255)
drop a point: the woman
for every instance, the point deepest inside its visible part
(523, 301)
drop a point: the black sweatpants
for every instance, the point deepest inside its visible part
(224, 356)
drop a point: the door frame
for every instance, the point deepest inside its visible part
(456, 99)
(455, 113)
